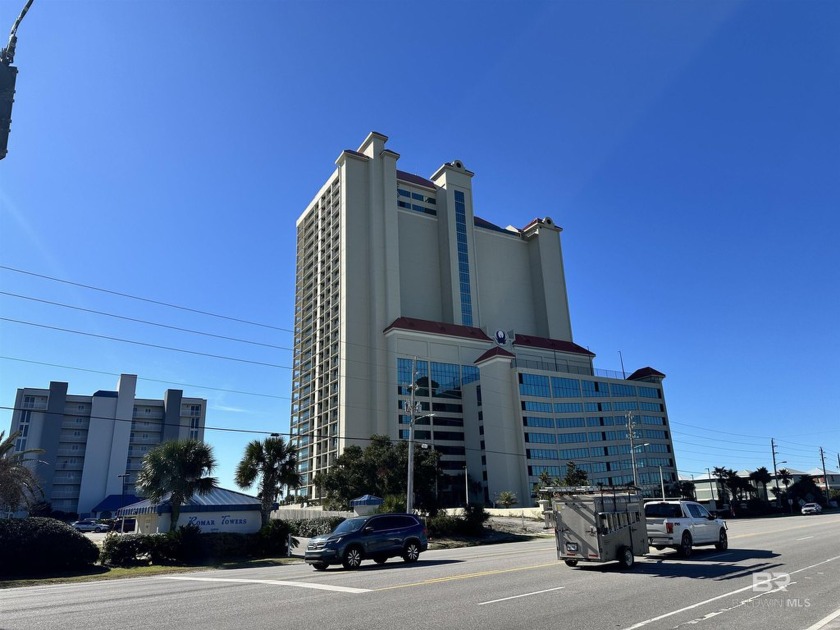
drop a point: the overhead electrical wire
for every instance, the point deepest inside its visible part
(265, 364)
(148, 345)
(143, 321)
(143, 299)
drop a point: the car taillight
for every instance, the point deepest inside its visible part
(669, 528)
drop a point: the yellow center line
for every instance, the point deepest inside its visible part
(465, 576)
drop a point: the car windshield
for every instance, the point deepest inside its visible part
(350, 525)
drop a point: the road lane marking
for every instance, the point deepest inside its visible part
(465, 576)
(504, 599)
(806, 538)
(822, 623)
(718, 555)
(729, 594)
(321, 587)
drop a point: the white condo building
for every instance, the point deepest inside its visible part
(94, 445)
(397, 275)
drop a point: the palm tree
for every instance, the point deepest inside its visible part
(18, 484)
(180, 469)
(762, 476)
(785, 477)
(275, 463)
(721, 473)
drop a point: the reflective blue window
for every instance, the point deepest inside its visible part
(463, 265)
(649, 392)
(565, 387)
(595, 389)
(531, 421)
(540, 438)
(534, 385)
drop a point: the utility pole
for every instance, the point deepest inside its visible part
(631, 435)
(711, 487)
(825, 476)
(8, 78)
(412, 408)
(775, 474)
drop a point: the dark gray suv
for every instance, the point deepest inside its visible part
(377, 536)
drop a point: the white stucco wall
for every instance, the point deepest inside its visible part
(244, 522)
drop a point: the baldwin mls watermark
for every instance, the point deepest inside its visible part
(766, 582)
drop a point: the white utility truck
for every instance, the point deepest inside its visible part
(598, 524)
(682, 525)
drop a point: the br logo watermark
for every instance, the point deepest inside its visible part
(765, 581)
(772, 582)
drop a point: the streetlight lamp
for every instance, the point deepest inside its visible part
(122, 500)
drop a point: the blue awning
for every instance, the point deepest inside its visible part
(368, 499)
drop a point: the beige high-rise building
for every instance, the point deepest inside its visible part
(399, 282)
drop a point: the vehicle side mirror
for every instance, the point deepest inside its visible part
(712, 516)
(368, 529)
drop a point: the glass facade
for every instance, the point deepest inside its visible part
(463, 258)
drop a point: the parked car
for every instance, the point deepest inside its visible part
(91, 525)
(377, 536)
(811, 508)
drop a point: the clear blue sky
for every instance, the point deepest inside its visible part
(690, 151)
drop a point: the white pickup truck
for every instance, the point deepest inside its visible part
(682, 525)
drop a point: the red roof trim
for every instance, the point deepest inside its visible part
(550, 344)
(438, 328)
(415, 179)
(495, 352)
(644, 373)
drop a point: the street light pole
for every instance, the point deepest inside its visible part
(632, 437)
(711, 488)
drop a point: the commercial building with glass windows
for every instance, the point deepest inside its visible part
(93, 446)
(404, 296)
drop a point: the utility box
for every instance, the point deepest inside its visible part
(598, 524)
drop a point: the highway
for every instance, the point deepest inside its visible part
(778, 574)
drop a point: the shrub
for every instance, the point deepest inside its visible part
(128, 550)
(37, 545)
(470, 524)
(442, 524)
(310, 527)
(392, 503)
(474, 519)
(272, 539)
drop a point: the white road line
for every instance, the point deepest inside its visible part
(504, 599)
(806, 538)
(717, 555)
(321, 587)
(822, 623)
(729, 594)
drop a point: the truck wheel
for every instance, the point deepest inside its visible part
(685, 545)
(352, 558)
(723, 541)
(626, 558)
(571, 563)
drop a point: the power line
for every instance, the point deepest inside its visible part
(143, 299)
(148, 345)
(150, 380)
(143, 321)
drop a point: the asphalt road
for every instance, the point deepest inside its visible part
(778, 574)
